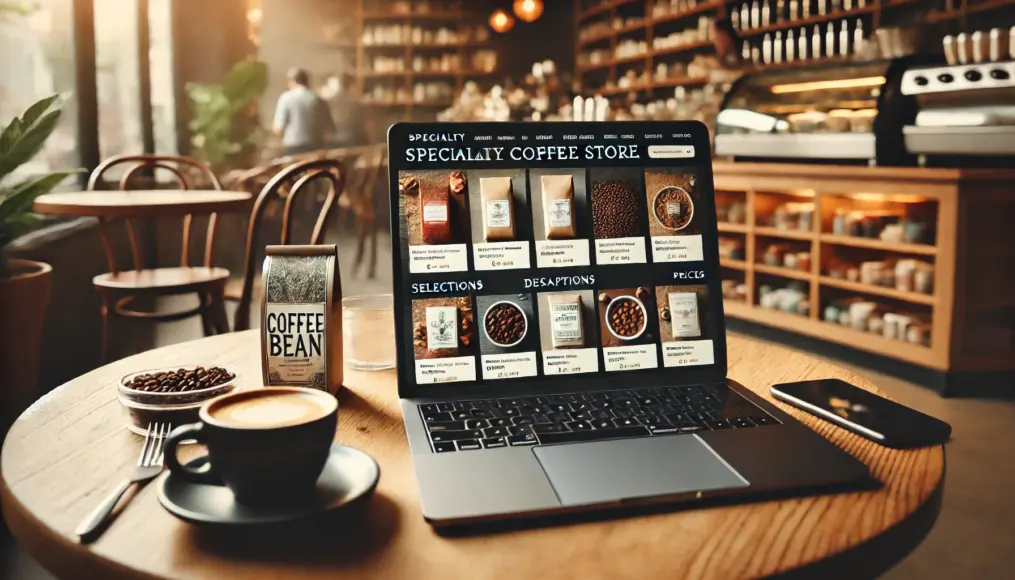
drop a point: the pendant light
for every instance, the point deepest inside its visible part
(528, 10)
(501, 21)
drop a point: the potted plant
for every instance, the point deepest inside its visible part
(24, 285)
(225, 132)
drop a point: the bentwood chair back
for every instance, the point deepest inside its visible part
(369, 168)
(119, 288)
(295, 181)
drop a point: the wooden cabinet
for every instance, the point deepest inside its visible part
(959, 222)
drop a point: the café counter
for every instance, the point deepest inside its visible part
(913, 264)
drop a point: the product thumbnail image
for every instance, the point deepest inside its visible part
(559, 203)
(682, 311)
(501, 221)
(625, 316)
(508, 323)
(434, 205)
(567, 320)
(616, 205)
(685, 325)
(443, 327)
(560, 217)
(671, 198)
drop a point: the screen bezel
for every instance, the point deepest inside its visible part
(662, 376)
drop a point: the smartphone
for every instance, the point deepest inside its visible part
(864, 413)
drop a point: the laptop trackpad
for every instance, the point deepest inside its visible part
(603, 471)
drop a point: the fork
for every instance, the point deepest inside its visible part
(149, 464)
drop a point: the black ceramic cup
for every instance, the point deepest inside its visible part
(266, 462)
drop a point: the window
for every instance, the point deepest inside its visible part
(160, 57)
(117, 77)
(36, 61)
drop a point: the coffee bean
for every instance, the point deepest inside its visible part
(627, 318)
(505, 324)
(615, 210)
(181, 380)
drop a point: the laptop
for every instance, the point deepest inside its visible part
(560, 336)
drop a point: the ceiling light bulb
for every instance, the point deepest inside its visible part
(528, 10)
(501, 21)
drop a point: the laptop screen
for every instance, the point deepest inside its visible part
(577, 255)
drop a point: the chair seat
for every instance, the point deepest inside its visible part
(161, 280)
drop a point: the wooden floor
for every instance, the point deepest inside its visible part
(974, 536)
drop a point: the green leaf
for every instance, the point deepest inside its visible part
(30, 143)
(11, 134)
(35, 111)
(19, 199)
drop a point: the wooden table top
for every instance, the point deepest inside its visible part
(141, 203)
(67, 451)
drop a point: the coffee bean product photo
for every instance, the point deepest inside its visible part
(671, 198)
(616, 203)
(508, 323)
(444, 339)
(560, 217)
(626, 316)
(501, 221)
(509, 339)
(443, 327)
(568, 332)
(685, 329)
(618, 216)
(434, 219)
(434, 211)
(675, 215)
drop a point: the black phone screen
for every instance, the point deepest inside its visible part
(895, 423)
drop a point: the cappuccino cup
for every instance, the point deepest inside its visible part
(268, 446)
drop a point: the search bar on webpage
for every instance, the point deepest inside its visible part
(670, 151)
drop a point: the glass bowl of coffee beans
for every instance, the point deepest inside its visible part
(172, 395)
(625, 317)
(505, 324)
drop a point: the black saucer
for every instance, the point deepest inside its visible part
(349, 475)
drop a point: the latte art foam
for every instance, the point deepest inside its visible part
(270, 410)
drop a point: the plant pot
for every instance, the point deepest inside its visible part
(23, 302)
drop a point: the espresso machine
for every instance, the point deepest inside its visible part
(965, 110)
(842, 113)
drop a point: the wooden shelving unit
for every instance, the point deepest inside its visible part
(971, 304)
(455, 15)
(602, 77)
(967, 8)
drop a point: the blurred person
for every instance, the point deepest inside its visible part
(348, 114)
(302, 118)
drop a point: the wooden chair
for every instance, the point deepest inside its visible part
(371, 166)
(288, 184)
(120, 288)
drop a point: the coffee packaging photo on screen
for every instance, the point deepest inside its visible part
(618, 216)
(674, 216)
(508, 340)
(301, 317)
(559, 214)
(501, 224)
(685, 331)
(498, 209)
(434, 219)
(567, 332)
(444, 339)
(628, 328)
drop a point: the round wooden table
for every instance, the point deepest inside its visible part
(67, 451)
(141, 203)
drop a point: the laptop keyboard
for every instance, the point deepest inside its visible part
(550, 419)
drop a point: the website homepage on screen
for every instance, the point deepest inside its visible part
(541, 251)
